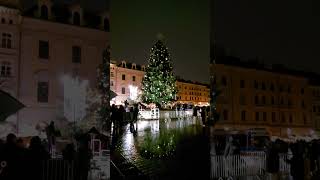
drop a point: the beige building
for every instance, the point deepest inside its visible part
(39, 49)
(193, 93)
(255, 96)
(125, 81)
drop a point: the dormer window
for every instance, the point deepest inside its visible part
(143, 68)
(76, 18)
(134, 66)
(44, 12)
(106, 25)
(123, 64)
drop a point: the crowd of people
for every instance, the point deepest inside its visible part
(20, 160)
(122, 115)
(304, 158)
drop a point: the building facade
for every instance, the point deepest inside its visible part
(126, 81)
(253, 96)
(42, 52)
(192, 93)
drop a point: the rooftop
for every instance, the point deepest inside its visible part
(276, 68)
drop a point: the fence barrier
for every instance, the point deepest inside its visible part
(245, 164)
(57, 169)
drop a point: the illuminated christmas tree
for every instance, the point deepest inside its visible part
(158, 84)
(104, 87)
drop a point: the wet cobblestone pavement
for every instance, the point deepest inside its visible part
(190, 160)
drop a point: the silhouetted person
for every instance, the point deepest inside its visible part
(51, 135)
(203, 115)
(37, 156)
(10, 155)
(195, 112)
(83, 160)
(69, 152)
(273, 160)
(296, 163)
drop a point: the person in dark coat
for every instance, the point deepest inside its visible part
(203, 116)
(83, 160)
(273, 159)
(9, 158)
(37, 156)
(296, 163)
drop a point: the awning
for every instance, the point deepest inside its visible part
(8, 105)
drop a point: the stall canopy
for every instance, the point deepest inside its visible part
(8, 105)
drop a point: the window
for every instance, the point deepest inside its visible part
(5, 69)
(133, 78)
(289, 89)
(272, 87)
(123, 77)
(263, 100)
(225, 115)
(43, 92)
(224, 81)
(242, 85)
(256, 100)
(106, 24)
(6, 40)
(76, 18)
(303, 104)
(123, 90)
(290, 119)
(283, 118)
(304, 119)
(280, 88)
(44, 49)
(44, 12)
(289, 102)
(10, 22)
(272, 100)
(242, 100)
(256, 85)
(76, 54)
(264, 116)
(302, 91)
(263, 86)
(257, 116)
(111, 83)
(314, 108)
(243, 115)
(3, 20)
(273, 117)
(281, 101)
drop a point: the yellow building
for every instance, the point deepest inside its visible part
(192, 93)
(254, 96)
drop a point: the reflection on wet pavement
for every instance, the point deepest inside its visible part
(191, 151)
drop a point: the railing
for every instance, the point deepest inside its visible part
(245, 164)
(58, 170)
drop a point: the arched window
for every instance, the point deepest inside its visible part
(44, 12)
(3, 20)
(106, 24)
(76, 18)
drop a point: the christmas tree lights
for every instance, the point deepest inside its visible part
(158, 84)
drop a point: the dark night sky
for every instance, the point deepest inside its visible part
(286, 31)
(185, 24)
